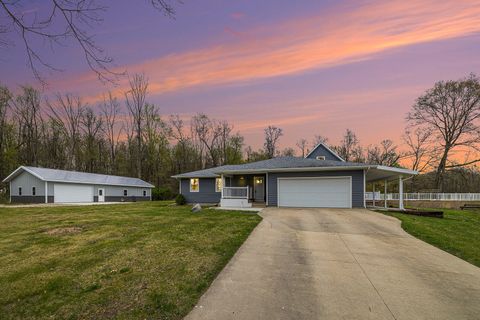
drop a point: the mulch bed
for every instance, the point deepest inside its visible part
(421, 213)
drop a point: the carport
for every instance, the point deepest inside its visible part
(375, 174)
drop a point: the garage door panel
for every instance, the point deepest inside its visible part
(315, 192)
(71, 193)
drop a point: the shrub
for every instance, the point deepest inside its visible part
(180, 200)
(162, 193)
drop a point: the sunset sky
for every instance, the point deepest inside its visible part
(309, 67)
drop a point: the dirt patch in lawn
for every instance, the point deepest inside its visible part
(63, 231)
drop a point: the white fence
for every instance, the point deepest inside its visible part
(418, 196)
(235, 193)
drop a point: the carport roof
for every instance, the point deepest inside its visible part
(289, 164)
(55, 175)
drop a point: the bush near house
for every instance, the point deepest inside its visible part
(145, 260)
(162, 193)
(180, 200)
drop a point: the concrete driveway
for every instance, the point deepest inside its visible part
(339, 264)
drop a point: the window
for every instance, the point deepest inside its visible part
(100, 192)
(19, 191)
(194, 185)
(34, 191)
(218, 185)
(125, 193)
(144, 193)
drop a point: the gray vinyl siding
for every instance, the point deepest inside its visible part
(357, 183)
(322, 151)
(27, 181)
(117, 191)
(206, 193)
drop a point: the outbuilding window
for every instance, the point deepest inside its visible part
(19, 191)
(34, 191)
(218, 185)
(125, 193)
(194, 185)
(144, 193)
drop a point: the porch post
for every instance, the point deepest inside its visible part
(223, 184)
(46, 192)
(400, 193)
(385, 195)
(373, 188)
(364, 188)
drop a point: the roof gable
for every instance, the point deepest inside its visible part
(321, 150)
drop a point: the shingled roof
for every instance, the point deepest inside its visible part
(272, 165)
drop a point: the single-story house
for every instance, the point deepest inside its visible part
(321, 179)
(42, 185)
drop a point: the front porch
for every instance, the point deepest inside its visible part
(243, 191)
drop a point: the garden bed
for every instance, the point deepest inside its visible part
(419, 212)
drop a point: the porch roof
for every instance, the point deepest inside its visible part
(291, 164)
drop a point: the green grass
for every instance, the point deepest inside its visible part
(140, 261)
(457, 233)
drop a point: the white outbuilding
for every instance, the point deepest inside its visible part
(42, 185)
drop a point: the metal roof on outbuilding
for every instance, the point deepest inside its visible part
(55, 175)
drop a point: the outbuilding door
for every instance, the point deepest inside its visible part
(324, 192)
(65, 193)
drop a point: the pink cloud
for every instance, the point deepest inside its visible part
(237, 15)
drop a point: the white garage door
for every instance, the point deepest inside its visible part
(315, 192)
(64, 192)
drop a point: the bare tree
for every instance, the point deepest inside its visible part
(319, 139)
(5, 102)
(421, 151)
(27, 110)
(386, 154)
(208, 133)
(91, 126)
(110, 110)
(272, 135)
(66, 112)
(302, 144)
(62, 22)
(349, 148)
(225, 130)
(135, 101)
(451, 111)
(288, 152)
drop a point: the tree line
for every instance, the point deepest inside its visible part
(128, 136)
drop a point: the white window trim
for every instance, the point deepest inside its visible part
(34, 188)
(190, 184)
(20, 193)
(125, 192)
(218, 190)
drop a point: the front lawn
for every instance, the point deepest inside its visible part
(458, 232)
(132, 261)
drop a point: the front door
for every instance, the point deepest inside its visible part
(101, 195)
(258, 189)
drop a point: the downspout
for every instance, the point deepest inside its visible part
(10, 189)
(46, 192)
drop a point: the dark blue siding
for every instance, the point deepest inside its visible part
(320, 150)
(357, 183)
(206, 194)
